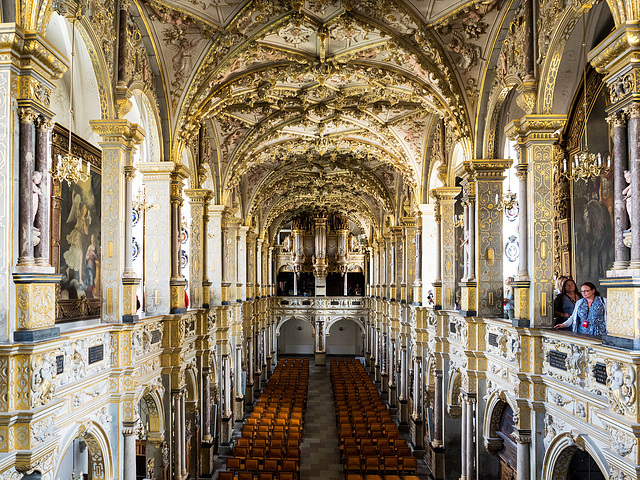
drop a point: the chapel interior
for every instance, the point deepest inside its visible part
(318, 239)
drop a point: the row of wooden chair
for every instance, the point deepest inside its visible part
(222, 475)
(357, 476)
(369, 439)
(269, 446)
(392, 464)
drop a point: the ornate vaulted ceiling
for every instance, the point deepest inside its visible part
(320, 102)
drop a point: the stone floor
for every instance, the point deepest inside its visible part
(320, 453)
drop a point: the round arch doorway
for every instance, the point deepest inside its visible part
(345, 338)
(583, 467)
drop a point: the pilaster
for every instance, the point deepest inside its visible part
(535, 136)
(198, 201)
(446, 200)
(157, 177)
(119, 138)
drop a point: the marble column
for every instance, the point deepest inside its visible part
(465, 274)
(271, 277)
(250, 369)
(129, 452)
(27, 117)
(43, 135)
(618, 123)
(463, 437)
(393, 388)
(470, 436)
(523, 447)
(183, 431)
(634, 162)
(178, 434)
(521, 175)
(260, 291)
(177, 282)
(472, 238)
(437, 410)
(129, 280)
(206, 405)
(384, 361)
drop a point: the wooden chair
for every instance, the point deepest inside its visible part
(352, 465)
(265, 476)
(290, 466)
(234, 463)
(222, 475)
(245, 476)
(271, 465)
(391, 465)
(252, 464)
(409, 465)
(372, 464)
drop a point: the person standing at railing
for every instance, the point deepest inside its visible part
(564, 304)
(589, 315)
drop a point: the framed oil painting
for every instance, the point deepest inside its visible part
(75, 232)
(593, 238)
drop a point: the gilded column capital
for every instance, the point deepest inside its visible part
(27, 115)
(633, 110)
(199, 195)
(43, 123)
(129, 173)
(118, 131)
(617, 119)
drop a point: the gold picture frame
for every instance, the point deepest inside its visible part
(564, 232)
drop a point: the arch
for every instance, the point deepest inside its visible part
(457, 157)
(151, 395)
(355, 347)
(497, 402)
(556, 461)
(149, 118)
(191, 381)
(296, 341)
(99, 450)
(335, 320)
(453, 393)
(282, 320)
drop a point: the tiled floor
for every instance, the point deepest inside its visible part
(320, 455)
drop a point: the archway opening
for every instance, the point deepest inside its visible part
(583, 467)
(75, 462)
(296, 338)
(344, 338)
(508, 453)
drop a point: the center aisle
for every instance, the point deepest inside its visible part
(320, 452)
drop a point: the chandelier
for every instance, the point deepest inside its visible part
(585, 165)
(140, 201)
(69, 167)
(508, 201)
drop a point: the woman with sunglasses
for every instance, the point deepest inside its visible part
(589, 314)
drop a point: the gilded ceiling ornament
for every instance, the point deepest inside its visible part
(296, 32)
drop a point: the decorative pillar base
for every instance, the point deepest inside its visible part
(248, 396)
(468, 299)
(226, 434)
(623, 307)
(320, 359)
(206, 294)
(437, 463)
(238, 408)
(256, 385)
(36, 306)
(437, 295)
(393, 397)
(177, 296)
(403, 415)
(417, 435)
(384, 383)
(521, 303)
(207, 462)
(129, 304)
